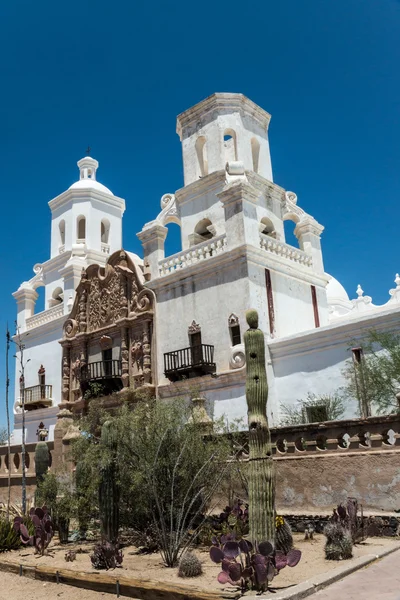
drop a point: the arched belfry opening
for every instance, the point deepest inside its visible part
(267, 227)
(230, 145)
(289, 222)
(201, 152)
(105, 231)
(203, 231)
(81, 229)
(61, 227)
(255, 153)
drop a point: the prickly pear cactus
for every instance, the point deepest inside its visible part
(261, 470)
(109, 490)
(42, 461)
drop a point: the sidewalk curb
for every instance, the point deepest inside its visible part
(319, 582)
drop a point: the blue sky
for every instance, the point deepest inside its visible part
(114, 75)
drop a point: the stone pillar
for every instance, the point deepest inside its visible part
(66, 376)
(146, 353)
(71, 273)
(124, 357)
(153, 238)
(64, 422)
(240, 205)
(26, 299)
(308, 232)
(199, 417)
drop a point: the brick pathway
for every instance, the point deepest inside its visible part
(380, 581)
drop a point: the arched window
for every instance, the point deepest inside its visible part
(201, 151)
(81, 229)
(267, 227)
(105, 231)
(255, 153)
(61, 227)
(230, 145)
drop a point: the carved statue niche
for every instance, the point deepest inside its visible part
(137, 355)
(124, 358)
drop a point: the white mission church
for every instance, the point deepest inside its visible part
(234, 256)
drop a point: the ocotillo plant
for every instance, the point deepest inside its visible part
(42, 461)
(261, 472)
(109, 490)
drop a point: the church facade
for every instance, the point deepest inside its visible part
(174, 324)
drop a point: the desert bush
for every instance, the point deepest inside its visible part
(167, 472)
(55, 492)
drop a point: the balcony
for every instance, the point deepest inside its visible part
(194, 361)
(38, 396)
(102, 369)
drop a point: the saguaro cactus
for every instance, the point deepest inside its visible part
(109, 489)
(42, 461)
(261, 470)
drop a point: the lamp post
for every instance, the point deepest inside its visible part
(22, 364)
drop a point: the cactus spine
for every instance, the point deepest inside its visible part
(109, 490)
(261, 470)
(42, 461)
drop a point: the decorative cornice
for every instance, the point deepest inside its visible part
(86, 195)
(152, 231)
(238, 191)
(207, 110)
(208, 183)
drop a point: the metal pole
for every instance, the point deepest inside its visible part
(8, 426)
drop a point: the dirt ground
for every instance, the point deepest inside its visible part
(150, 567)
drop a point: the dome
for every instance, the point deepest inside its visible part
(85, 184)
(335, 291)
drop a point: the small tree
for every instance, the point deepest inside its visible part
(167, 472)
(329, 406)
(374, 379)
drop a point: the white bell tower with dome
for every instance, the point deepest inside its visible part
(86, 228)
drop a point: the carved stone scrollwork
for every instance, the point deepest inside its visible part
(237, 359)
(143, 301)
(70, 328)
(194, 328)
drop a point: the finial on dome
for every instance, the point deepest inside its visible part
(397, 280)
(88, 151)
(360, 291)
(88, 167)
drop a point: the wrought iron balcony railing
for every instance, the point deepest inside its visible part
(102, 369)
(189, 362)
(37, 396)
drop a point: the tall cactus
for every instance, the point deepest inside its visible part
(261, 470)
(42, 461)
(109, 489)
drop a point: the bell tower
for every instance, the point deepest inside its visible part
(224, 128)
